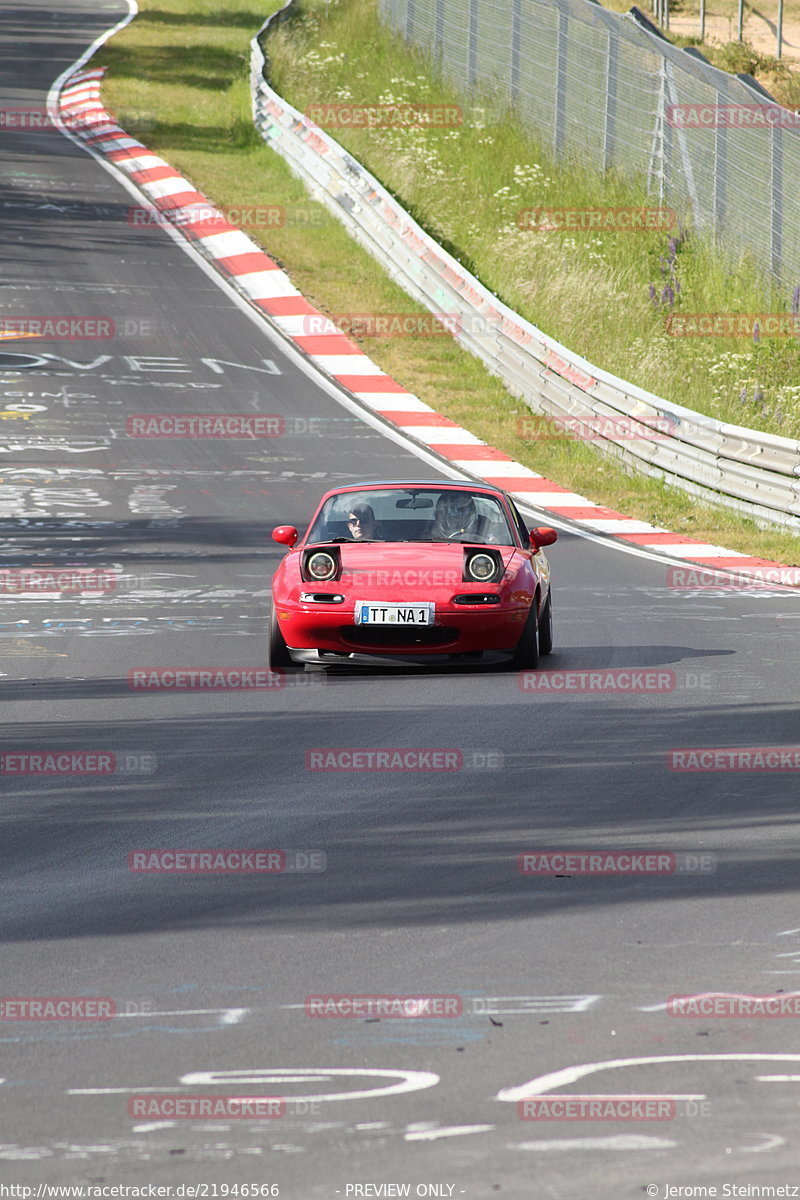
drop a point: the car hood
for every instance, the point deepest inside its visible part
(405, 567)
(427, 554)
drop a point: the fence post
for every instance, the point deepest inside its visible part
(438, 30)
(671, 97)
(610, 131)
(720, 176)
(560, 114)
(776, 207)
(779, 32)
(472, 43)
(410, 20)
(656, 164)
(516, 36)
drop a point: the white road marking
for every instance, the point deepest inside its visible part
(623, 1141)
(152, 1125)
(228, 1016)
(514, 1005)
(569, 1075)
(433, 1135)
(778, 1078)
(406, 1081)
(485, 1005)
(233, 1016)
(122, 1091)
(772, 1143)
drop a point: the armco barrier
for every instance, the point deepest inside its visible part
(754, 473)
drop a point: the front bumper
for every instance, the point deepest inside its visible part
(457, 630)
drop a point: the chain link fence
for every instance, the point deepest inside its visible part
(607, 90)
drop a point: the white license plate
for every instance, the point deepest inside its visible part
(369, 613)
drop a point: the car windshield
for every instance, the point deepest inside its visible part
(420, 514)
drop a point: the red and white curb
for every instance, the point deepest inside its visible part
(268, 288)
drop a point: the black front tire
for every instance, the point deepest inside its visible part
(546, 626)
(526, 656)
(279, 657)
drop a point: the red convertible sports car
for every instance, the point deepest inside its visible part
(412, 571)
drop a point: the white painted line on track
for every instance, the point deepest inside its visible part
(233, 1016)
(403, 1081)
(433, 1135)
(623, 1141)
(568, 1075)
(123, 1091)
(228, 1016)
(772, 1143)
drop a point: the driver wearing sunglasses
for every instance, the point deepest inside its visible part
(361, 524)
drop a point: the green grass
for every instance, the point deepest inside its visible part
(182, 70)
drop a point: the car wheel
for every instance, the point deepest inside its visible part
(526, 656)
(546, 626)
(279, 657)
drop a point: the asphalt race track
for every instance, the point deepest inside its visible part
(420, 894)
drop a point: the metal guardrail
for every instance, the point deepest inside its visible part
(754, 473)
